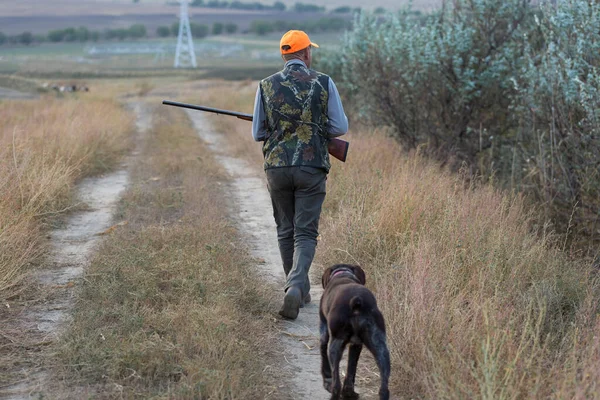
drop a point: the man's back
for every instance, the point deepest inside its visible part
(295, 103)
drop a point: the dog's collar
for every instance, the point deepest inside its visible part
(341, 271)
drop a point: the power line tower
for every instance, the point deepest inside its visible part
(184, 55)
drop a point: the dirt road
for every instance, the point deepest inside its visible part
(298, 338)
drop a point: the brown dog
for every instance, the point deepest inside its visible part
(349, 314)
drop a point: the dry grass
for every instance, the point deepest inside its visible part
(170, 307)
(45, 146)
(479, 302)
(477, 306)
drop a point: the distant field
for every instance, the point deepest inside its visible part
(41, 24)
(238, 56)
(41, 16)
(122, 7)
(228, 56)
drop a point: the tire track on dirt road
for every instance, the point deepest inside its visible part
(299, 339)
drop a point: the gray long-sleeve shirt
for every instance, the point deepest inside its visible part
(338, 122)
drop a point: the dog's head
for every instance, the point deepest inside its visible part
(343, 269)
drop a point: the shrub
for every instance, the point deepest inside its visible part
(82, 34)
(56, 35)
(261, 27)
(311, 26)
(239, 5)
(137, 31)
(342, 10)
(502, 87)
(175, 28)
(163, 31)
(25, 38)
(217, 4)
(556, 109)
(217, 28)
(70, 35)
(301, 7)
(199, 30)
(120, 34)
(231, 28)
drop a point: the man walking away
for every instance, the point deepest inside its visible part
(296, 112)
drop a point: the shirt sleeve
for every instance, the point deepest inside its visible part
(259, 132)
(338, 122)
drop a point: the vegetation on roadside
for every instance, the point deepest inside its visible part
(170, 306)
(45, 147)
(480, 302)
(509, 89)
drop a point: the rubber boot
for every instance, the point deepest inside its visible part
(291, 303)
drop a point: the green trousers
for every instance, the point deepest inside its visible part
(297, 194)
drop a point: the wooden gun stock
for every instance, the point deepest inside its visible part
(338, 148)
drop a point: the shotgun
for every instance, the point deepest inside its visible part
(338, 148)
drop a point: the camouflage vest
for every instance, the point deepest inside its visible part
(295, 103)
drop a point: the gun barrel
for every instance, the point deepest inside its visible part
(247, 117)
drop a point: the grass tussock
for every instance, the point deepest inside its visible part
(45, 146)
(169, 307)
(476, 304)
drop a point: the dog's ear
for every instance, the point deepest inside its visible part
(360, 274)
(326, 276)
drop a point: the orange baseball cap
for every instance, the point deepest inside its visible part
(294, 41)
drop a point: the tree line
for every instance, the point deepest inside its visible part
(136, 31)
(139, 31)
(256, 6)
(263, 27)
(277, 6)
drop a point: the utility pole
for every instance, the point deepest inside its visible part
(184, 55)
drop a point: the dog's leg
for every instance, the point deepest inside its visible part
(335, 350)
(376, 343)
(353, 355)
(325, 367)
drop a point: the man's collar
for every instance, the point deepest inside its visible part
(295, 61)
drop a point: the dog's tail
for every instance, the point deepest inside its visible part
(355, 304)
